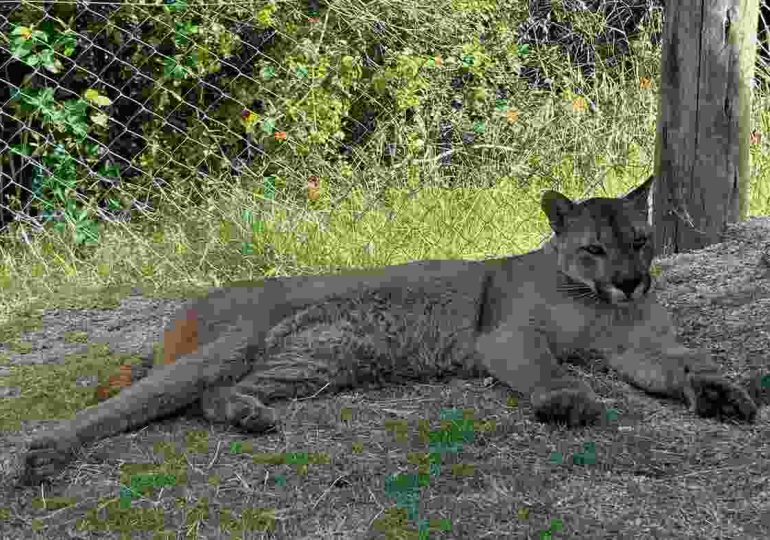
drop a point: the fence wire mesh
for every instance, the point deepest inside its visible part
(111, 109)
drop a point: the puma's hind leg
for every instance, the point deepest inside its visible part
(167, 389)
(302, 357)
(297, 370)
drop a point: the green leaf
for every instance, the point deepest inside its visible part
(100, 119)
(268, 126)
(55, 66)
(110, 170)
(21, 149)
(268, 185)
(173, 69)
(267, 72)
(96, 98)
(41, 36)
(68, 42)
(92, 149)
(40, 99)
(87, 233)
(20, 50)
(19, 30)
(175, 6)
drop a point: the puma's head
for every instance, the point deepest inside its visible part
(604, 246)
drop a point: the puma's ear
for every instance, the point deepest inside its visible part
(556, 206)
(638, 196)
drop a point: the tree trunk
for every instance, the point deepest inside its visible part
(702, 142)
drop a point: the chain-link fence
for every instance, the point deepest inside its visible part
(111, 109)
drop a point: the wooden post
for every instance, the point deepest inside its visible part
(702, 141)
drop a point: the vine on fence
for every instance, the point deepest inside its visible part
(303, 107)
(55, 186)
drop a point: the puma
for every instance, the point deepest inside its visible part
(241, 348)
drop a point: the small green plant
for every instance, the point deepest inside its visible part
(56, 179)
(76, 337)
(56, 192)
(55, 182)
(38, 46)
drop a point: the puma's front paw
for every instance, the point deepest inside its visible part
(712, 395)
(249, 413)
(47, 455)
(570, 406)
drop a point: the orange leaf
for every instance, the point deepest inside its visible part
(122, 379)
(313, 188)
(579, 104)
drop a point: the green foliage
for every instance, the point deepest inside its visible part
(38, 47)
(55, 184)
(308, 82)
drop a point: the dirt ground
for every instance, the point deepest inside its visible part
(657, 472)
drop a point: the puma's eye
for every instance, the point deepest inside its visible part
(594, 249)
(639, 243)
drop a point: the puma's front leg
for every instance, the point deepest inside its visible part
(653, 359)
(688, 375)
(519, 355)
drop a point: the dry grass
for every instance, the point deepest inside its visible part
(659, 473)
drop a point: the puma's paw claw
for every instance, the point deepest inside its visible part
(249, 413)
(715, 396)
(572, 407)
(46, 456)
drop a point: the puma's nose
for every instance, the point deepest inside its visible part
(628, 286)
